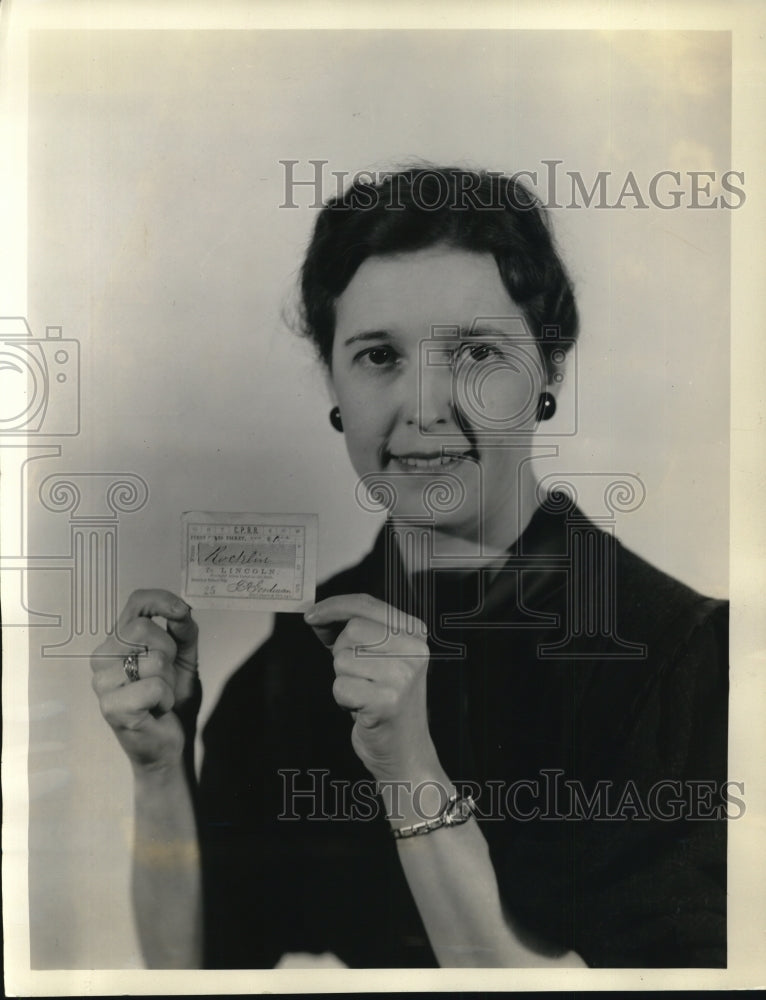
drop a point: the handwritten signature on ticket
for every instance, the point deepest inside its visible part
(255, 562)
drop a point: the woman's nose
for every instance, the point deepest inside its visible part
(428, 398)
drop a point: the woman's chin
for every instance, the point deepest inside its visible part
(445, 496)
(440, 510)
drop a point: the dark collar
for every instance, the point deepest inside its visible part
(540, 553)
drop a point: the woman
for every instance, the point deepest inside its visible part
(485, 744)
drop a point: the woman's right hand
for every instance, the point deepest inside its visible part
(141, 712)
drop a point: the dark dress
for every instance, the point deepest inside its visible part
(582, 695)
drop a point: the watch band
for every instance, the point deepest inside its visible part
(458, 810)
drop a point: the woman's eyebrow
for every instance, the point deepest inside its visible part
(367, 335)
(482, 331)
(449, 332)
(444, 332)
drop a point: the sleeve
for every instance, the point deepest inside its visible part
(236, 880)
(641, 882)
(274, 871)
(656, 886)
(256, 877)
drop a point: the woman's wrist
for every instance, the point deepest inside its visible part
(164, 811)
(422, 795)
(159, 776)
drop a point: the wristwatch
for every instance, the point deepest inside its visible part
(458, 810)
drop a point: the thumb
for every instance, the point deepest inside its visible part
(183, 630)
(327, 634)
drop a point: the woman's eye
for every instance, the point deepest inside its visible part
(478, 352)
(378, 357)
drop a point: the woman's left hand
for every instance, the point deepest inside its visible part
(381, 659)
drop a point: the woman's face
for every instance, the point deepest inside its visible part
(437, 380)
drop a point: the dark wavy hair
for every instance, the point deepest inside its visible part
(416, 208)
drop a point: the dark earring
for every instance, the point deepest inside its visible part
(335, 419)
(546, 406)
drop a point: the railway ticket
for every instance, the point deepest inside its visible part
(254, 562)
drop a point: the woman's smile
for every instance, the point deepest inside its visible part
(432, 461)
(426, 373)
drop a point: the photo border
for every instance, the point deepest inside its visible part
(747, 879)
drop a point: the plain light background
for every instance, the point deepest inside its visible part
(157, 240)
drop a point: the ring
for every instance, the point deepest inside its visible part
(130, 666)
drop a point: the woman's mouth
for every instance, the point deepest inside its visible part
(429, 462)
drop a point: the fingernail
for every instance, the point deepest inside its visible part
(181, 608)
(310, 616)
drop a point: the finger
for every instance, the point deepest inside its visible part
(141, 636)
(368, 703)
(328, 634)
(181, 627)
(384, 671)
(125, 707)
(145, 634)
(361, 633)
(184, 630)
(344, 606)
(347, 664)
(103, 656)
(371, 641)
(352, 693)
(113, 676)
(152, 603)
(325, 616)
(110, 654)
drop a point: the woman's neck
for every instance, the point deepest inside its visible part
(423, 547)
